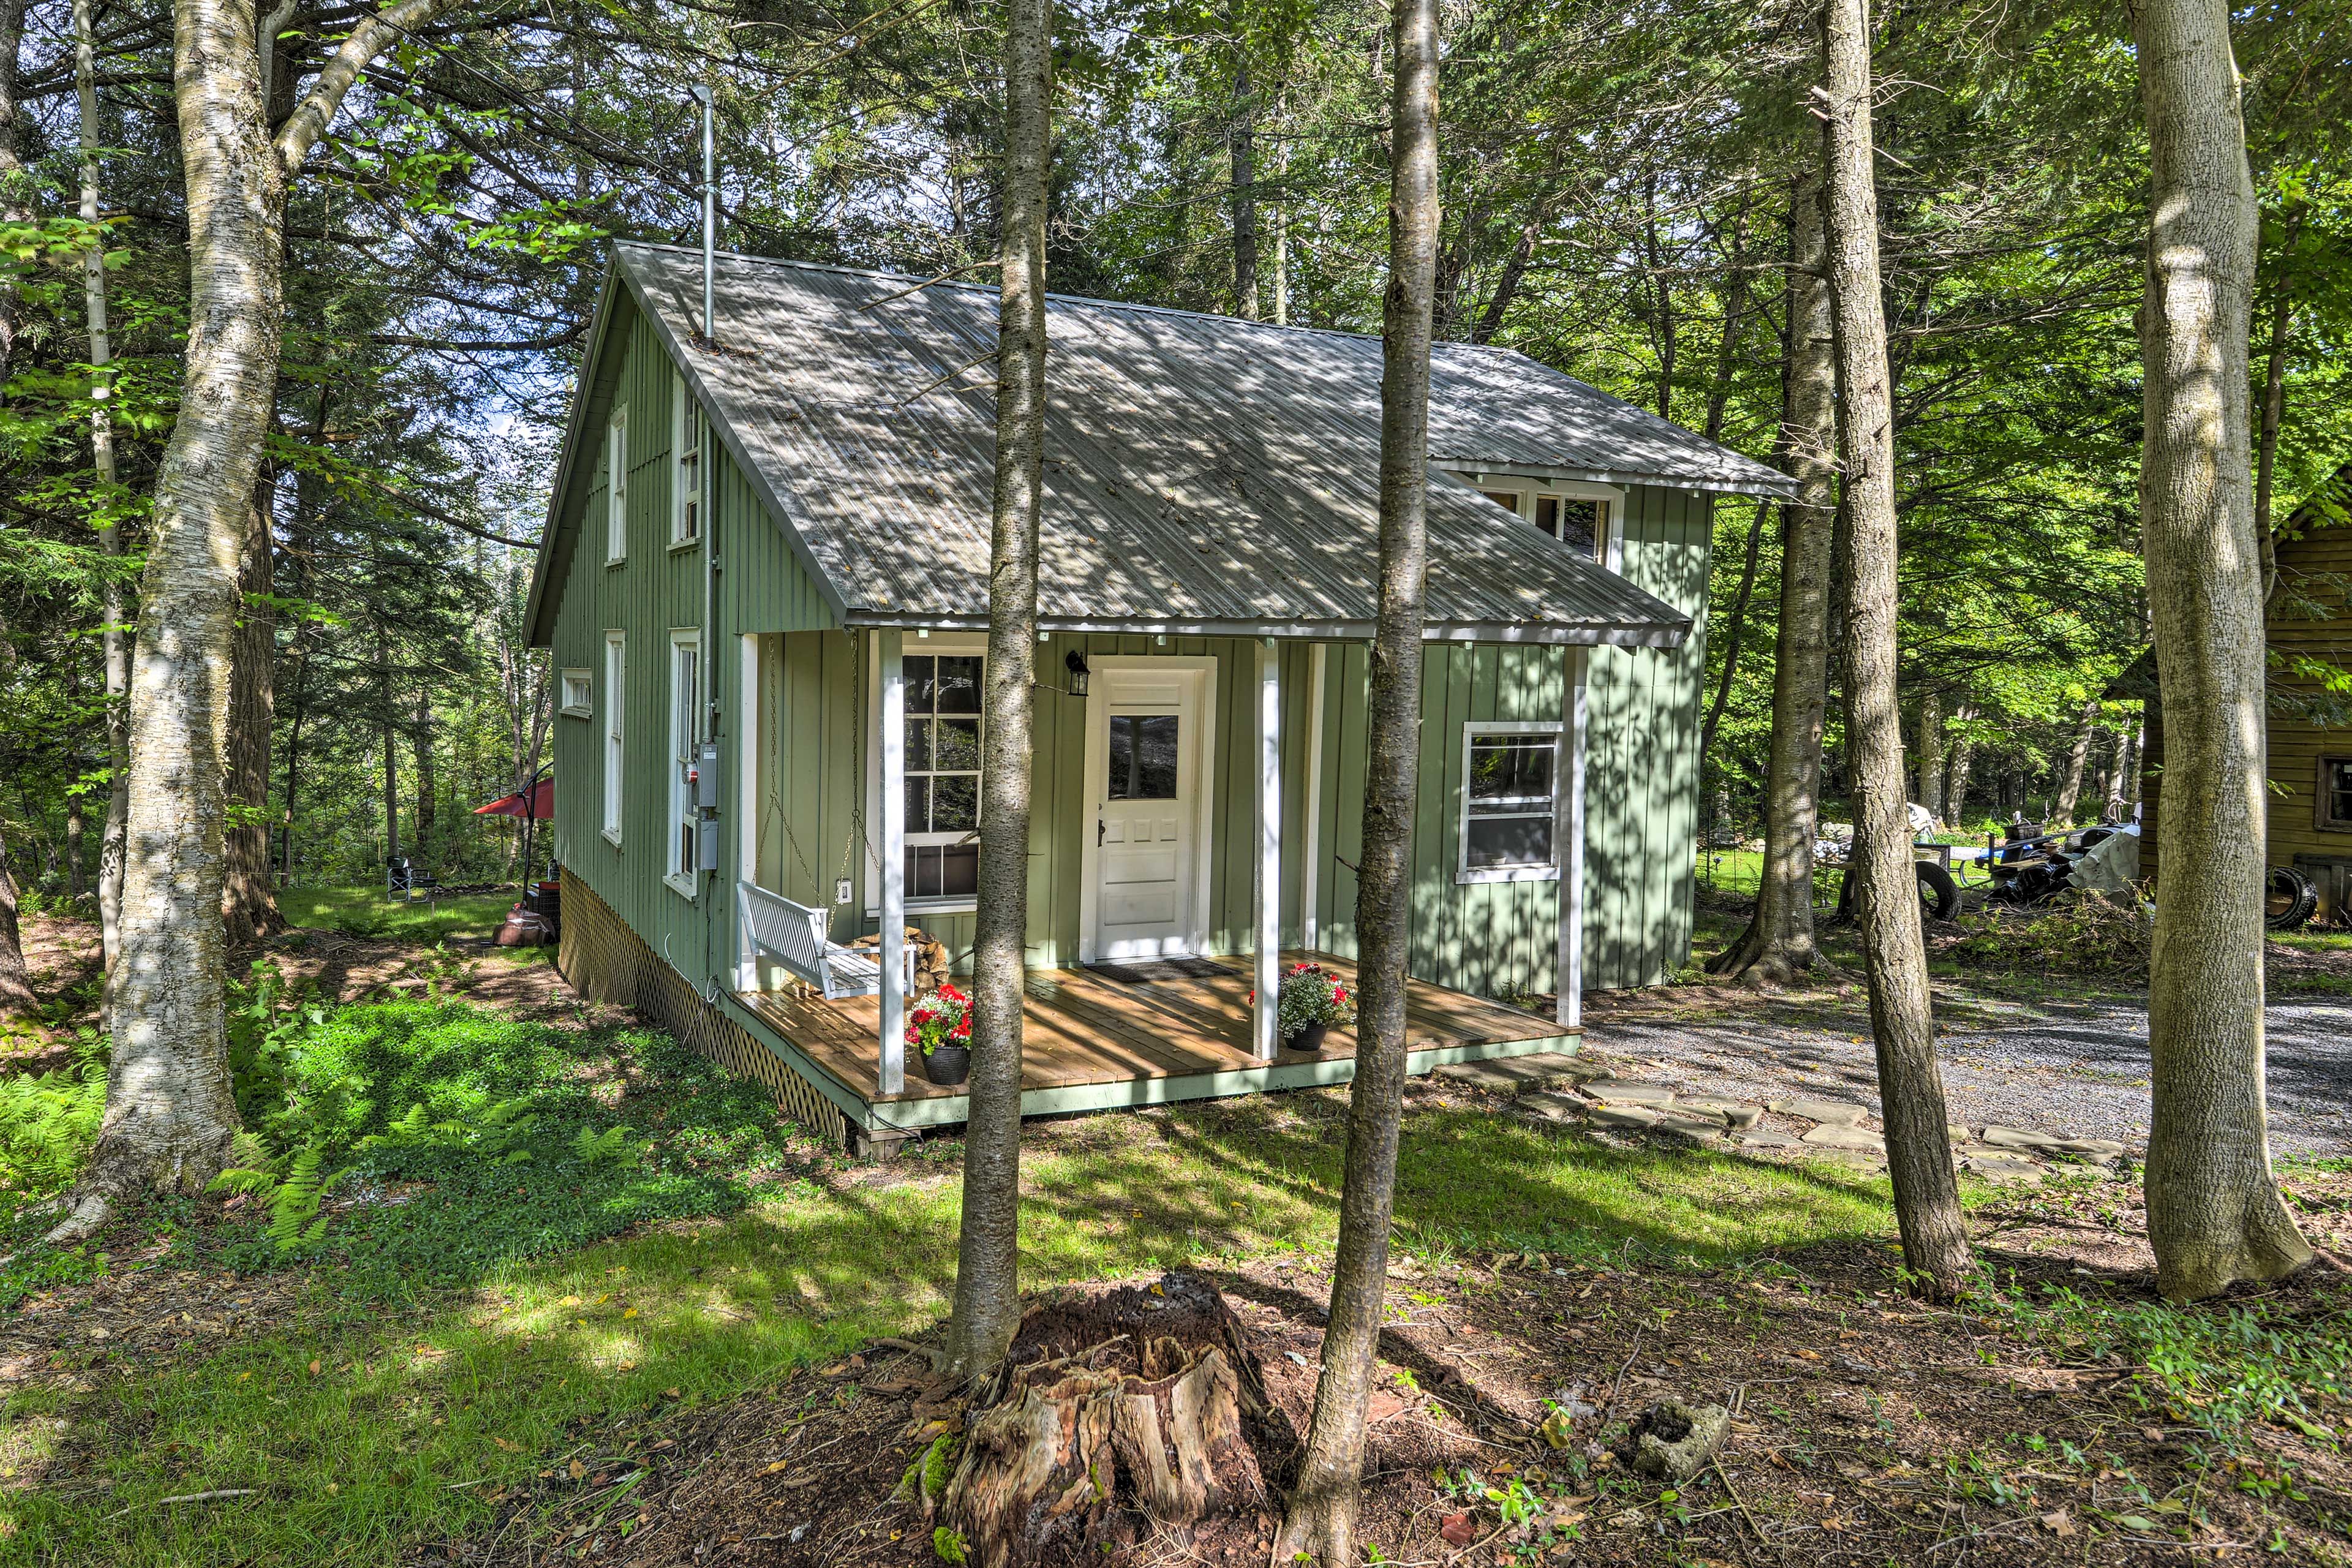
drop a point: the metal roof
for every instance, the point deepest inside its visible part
(1201, 473)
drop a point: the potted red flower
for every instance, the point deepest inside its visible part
(940, 1026)
(1311, 1001)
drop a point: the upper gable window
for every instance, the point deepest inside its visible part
(1586, 516)
(686, 445)
(616, 487)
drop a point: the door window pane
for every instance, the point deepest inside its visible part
(1142, 756)
(2339, 790)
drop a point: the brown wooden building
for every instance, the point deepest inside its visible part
(2310, 640)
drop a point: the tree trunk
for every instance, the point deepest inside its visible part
(75, 827)
(2129, 771)
(2214, 1215)
(420, 738)
(1953, 805)
(170, 1113)
(1735, 626)
(15, 986)
(1243, 139)
(1919, 1141)
(1780, 941)
(115, 637)
(249, 896)
(987, 1264)
(1320, 1522)
(1929, 792)
(2112, 802)
(2266, 452)
(15, 180)
(2070, 780)
(391, 790)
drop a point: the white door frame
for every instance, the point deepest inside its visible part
(1202, 669)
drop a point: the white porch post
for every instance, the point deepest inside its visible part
(1310, 854)
(1570, 830)
(892, 723)
(1270, 845)
(748, 763)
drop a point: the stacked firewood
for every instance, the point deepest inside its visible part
(931, 957)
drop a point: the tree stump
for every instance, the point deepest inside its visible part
(1115, 1413)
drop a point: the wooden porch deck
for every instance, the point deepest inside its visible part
(1092, 1039)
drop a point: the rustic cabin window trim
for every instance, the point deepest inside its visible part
(579, 688)
(1538, 503)
(683, 870)
(686, 508)
(935, 646)
(1531, 808)
(616, 762)
(616, 487)
(2326, 816)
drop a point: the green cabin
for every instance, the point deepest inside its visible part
(764, 580)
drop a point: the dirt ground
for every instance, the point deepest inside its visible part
(1864, 1428)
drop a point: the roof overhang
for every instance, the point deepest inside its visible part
(1523, 632)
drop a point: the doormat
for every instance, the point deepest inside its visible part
(1162, 969)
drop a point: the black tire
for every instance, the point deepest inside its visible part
(1939, 896)
(2291, 898)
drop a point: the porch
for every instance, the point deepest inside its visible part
(1147, 1034)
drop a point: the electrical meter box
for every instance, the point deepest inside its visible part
(706, 783)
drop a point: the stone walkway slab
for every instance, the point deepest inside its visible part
(1735, 1112)
(1835, 1135)
(1627, 1091)
(1830, 1112)
(1623, 1116)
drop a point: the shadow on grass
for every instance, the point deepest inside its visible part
(368, 1431)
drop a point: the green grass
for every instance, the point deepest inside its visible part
(482, 1382)
(365, 912)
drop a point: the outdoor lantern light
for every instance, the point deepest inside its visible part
(1076, 663)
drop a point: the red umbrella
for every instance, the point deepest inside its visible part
(537, 803)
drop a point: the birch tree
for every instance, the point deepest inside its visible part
(1911, 1089)
(1779, 944)
(1320, 1522)
(988, 1269)
(170, 1113)
(2214, 1214)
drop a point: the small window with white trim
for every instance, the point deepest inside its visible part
(685, 868)
(1510, 802)
(686, 465)
(616, 670)
(579, 693)
(616, 487)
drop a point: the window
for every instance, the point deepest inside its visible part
(2335, 794)
(616, 667)
(579, 693)
(1580, 520)
(685, 869)
(942, 776)
(616, 487)
(685, 460)
(1507, 500)
(1142, 756)
(1510, 802)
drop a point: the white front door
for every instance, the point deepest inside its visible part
(1146, 730)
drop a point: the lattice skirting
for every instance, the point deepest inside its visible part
(607, 961)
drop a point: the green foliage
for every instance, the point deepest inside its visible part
(2080, 933)
(938, 1463)
(950, 1545)
(293, 1197)
(2217, 1366)
(611, 1146)
(48, 1121)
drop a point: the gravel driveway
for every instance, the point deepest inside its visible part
(2078, 1070)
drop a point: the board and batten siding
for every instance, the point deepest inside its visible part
(1641, 788)
(761, 588)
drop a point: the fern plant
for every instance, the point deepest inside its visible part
(293, 1196)
(48, 1121)
(493, 1133)
(611, 1145)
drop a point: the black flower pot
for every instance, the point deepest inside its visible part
(947, 1065)
(1308, 1041)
